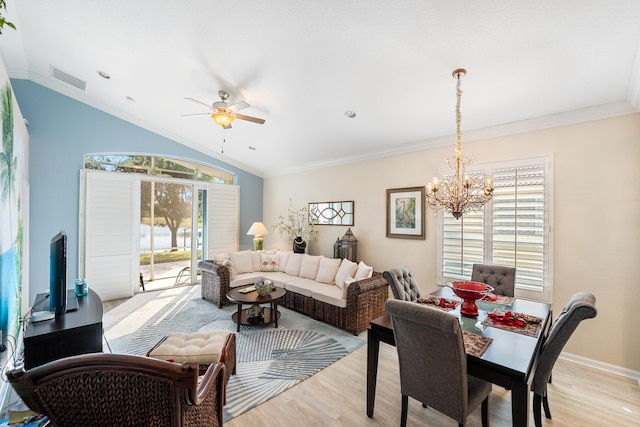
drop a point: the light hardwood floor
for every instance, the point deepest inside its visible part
(336, 396)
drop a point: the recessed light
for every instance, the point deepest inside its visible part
(350, 114)
(104, 75)
(251, 147)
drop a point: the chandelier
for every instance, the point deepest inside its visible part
(458, 192)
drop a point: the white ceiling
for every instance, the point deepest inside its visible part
(302, 64)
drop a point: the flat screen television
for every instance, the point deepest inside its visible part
(58, 274)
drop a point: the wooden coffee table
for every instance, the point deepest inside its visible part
(271, 313)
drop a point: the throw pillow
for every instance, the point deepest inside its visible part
(293, 264)
(310, 265)
(345, 290)
(232, 271)
(256, 260)
(284, 257)
(363, 271)
(327, 270)
(241, 262)
(347, 268)
(269, 263)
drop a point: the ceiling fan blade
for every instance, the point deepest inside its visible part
(250, 119)
(194, 114)
(240, 105)
(199, 102)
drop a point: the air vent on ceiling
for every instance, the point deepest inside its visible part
(68, 78)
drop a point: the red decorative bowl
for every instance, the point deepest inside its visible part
(469, 292)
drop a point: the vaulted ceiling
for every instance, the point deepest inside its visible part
(301, 65)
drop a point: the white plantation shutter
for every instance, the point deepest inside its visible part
(223, 207)
(108, 233)
(462, 244)
(519, 223)
(513, 230)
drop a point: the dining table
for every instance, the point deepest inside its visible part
(508, 361)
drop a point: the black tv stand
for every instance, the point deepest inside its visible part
(68, 334)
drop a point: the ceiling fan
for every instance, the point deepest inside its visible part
(223, 112)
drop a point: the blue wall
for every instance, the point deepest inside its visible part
(61, 132)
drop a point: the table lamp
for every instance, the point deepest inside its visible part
(257, 230)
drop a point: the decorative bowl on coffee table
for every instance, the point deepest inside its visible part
(264, 288)
(470, 292)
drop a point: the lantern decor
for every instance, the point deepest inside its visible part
(349, 246)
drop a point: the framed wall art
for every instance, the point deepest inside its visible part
(405, 213)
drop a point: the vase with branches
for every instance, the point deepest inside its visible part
(297, 226)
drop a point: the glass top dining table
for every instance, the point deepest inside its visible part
(509, 361)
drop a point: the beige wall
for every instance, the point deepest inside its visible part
(597, 219)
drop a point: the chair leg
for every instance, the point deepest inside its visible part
(485, 412)
(537, 409)
(405, 407)
(545, 405)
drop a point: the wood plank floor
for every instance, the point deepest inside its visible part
(336, 396)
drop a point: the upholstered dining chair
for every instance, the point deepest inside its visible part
(402, 283)
(433, 363)
(581, 306)
(122, 390)
(503, 279)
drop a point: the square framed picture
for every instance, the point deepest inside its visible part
(405, 213)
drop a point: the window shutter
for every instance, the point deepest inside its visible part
(223, 201)
(518, 223)
(463, 244)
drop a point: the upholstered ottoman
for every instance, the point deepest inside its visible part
(203, 348)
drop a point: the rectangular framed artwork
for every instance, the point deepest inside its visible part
(405, 213)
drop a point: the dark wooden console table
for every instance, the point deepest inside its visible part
(69, 334)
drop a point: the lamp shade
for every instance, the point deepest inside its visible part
(257, 228)
(222, 118)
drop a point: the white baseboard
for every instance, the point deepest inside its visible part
(617, 370)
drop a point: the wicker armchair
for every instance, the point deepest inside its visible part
(122, 390)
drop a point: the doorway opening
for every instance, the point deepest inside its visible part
(171, 230)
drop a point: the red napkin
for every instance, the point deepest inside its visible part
(441, 302)
(490, 297)
(508, 318)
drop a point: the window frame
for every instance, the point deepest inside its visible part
(546, 294)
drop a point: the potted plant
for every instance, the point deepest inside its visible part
(297, 226)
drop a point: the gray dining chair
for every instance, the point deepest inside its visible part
(580, 306)
(503, 279)
(433, 363)
(402, 283)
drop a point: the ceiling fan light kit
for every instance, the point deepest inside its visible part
(224, 113)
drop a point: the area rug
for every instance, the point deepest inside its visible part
(269, 360)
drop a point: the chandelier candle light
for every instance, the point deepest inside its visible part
(459, 192)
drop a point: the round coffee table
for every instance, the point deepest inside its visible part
(271, 313)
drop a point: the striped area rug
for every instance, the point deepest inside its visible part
(269, 360)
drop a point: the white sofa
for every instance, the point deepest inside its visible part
(340, 292)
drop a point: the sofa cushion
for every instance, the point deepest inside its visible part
(293, 264)
(278, 278)
(302, 286)
(347, 268)
(256, 260)
(269, 263)
(345, 289)
(245, 279)
(309, 267)
(363, 272)
(331, 295)
(284, 257)
(241, 262)
(327, 270)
